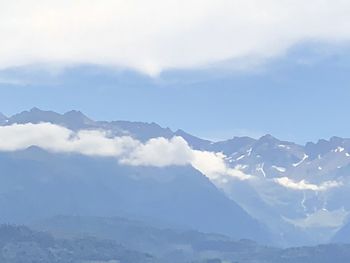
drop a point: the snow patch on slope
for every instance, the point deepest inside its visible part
(301, 161)
(280, 169)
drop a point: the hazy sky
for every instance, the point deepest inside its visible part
(213, 68)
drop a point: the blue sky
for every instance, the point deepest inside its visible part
(216, 69)
(301, 96)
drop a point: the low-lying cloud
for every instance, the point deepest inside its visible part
(55, 138)
(304, 185)
(158, 152)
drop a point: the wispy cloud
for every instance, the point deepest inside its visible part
(321, 218)
(154, 35)
(213, 165)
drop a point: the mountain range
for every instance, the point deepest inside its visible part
(297, 194)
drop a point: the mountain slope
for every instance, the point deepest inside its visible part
(35, 184)
(3, 119)
(343, 235)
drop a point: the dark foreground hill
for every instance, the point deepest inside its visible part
(19, 244)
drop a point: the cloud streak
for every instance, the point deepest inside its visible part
(304, 185)
(157, 152)
(151, 36)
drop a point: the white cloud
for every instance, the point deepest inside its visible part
(176, 151)
(154, 35)
(213, 165)
(158, 152)
(304, 185)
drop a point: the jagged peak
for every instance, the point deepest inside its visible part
(191, 139)
(242, 138)
(72, 119)
(3, 116)
(181, 132)
(337, 140)
(35, 109)
(34, 115)
(76, 114)
(268, 138)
